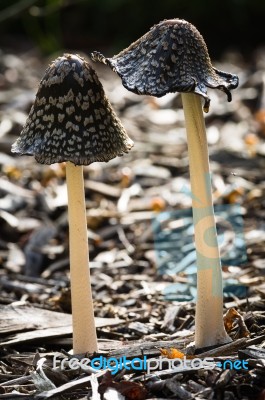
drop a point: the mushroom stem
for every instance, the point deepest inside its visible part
(209, 325)
(84, 330)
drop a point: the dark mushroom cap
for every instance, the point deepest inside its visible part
(171, 57)
(71, 118)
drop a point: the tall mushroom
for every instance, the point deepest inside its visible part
(72, 120)
(172, 57)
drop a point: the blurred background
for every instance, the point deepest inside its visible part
(138, 206)
(110, 25)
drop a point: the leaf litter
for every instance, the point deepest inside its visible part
(141, 248)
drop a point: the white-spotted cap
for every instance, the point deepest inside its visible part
(71, 118)
(171, 57)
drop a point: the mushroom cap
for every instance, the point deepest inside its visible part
(171, 57)
(71, 118)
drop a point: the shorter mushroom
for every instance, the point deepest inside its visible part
(72, 120)
(172, 57)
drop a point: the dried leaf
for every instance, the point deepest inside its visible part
(230, 317)
(131, 390)
(172, 353)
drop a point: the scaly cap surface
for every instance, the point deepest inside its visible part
(171, 57)
(71, 118)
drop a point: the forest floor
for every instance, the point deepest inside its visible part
(142, 255)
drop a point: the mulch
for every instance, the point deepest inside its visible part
(142, 255)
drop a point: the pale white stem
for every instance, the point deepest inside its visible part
(84, 330)
(209, 326)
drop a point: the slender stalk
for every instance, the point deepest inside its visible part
(209, 326)
(84, 330)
